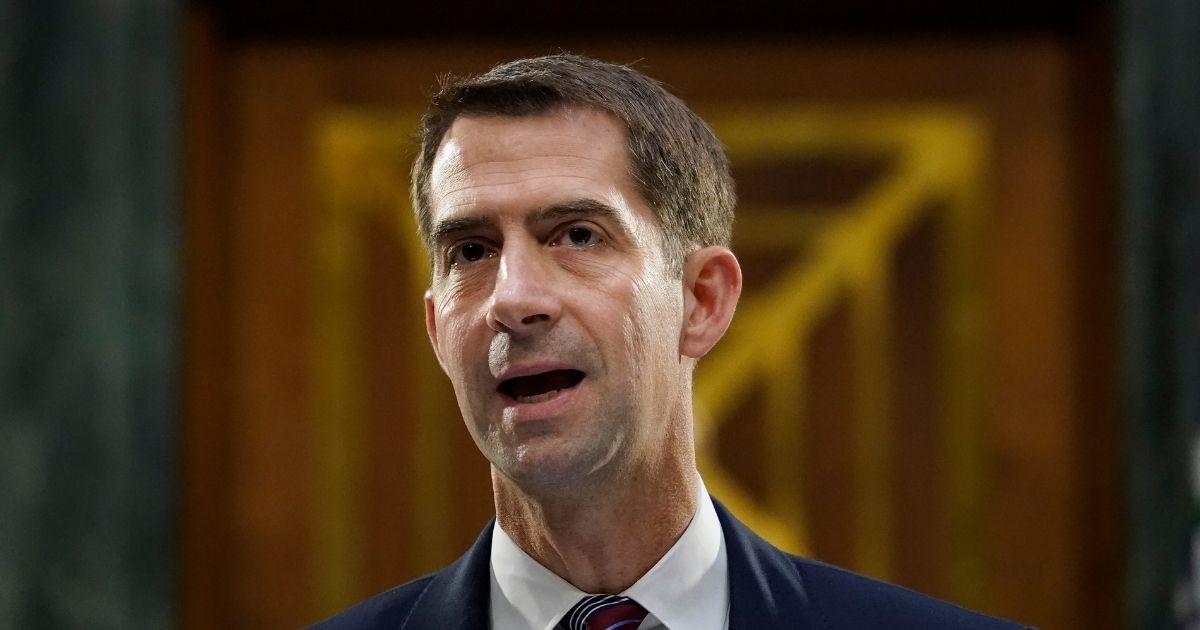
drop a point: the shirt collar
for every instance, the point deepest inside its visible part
(688, 588)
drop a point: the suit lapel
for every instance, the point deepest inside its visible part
(457, 597)
(765, 588)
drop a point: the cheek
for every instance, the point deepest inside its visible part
(454, 331)
(650, 326)
(659, 306)
(458, 310)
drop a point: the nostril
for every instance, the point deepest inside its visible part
(533, 319)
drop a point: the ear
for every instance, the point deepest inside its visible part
(431, 326)
(712, 283)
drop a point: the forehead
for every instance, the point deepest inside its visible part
(493, 163)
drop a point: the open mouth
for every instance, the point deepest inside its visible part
(538, 387)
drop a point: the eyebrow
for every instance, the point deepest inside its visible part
(446, 229)
(579, 208)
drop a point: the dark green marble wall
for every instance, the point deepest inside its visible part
(1159, 104)
(89, 216)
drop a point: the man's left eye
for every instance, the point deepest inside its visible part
(581, 236)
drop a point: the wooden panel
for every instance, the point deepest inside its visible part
(1033, 413)
(1099, 510)
(922, 522)
(828, 448)
(740, 443)
(269, 432)
(207, 476)
(390, 314)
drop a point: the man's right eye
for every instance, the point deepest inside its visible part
(469, 252)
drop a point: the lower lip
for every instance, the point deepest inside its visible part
(524, 412)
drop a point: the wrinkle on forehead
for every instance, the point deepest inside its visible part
(448, 166)
(514, 145)
(528, 176)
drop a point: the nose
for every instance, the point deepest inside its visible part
(524, 299)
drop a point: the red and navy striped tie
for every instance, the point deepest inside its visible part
(603, 612)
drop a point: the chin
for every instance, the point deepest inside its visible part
(542, 467)
(530, 472)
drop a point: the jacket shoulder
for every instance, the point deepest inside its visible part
(388, 609)
(847, 600)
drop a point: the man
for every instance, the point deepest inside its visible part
(578, 219)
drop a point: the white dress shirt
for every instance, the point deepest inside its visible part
(688, 589)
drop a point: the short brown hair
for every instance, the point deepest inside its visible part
(676, 161)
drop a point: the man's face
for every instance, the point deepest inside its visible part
(552, 308)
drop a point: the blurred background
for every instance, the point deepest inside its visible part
(967, 359)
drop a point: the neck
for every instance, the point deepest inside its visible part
(603, 538)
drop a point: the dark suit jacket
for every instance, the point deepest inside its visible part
(768, 589)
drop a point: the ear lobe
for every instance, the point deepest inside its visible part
(431, 326)
(712, 285)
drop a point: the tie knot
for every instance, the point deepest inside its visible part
(603, 612)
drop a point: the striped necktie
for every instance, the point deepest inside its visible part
(603, 612)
